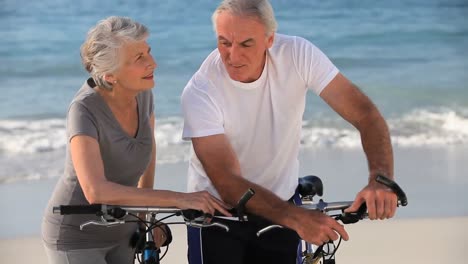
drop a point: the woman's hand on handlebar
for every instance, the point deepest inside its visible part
(380, 200)
(203, 201)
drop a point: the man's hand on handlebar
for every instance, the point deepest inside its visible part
(380, 200)
(316, 227)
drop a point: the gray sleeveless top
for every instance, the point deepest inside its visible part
(125, 159)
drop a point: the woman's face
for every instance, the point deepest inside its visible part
(136, 67)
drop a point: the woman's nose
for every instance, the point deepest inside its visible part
(152, 63)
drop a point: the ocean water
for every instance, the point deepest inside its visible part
(410, 57)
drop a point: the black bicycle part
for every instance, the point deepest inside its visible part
(136, 240)
(310, 186)
(317, 252)
(394, 187)
(168, 233)
(353, 217)
(239, 210)
(242, 202)
(192, 214)
(116, 212)
(95, 209)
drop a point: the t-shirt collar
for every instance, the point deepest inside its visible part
(257, 83)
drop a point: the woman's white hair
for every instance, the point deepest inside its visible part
(260, 9)
(100, 51)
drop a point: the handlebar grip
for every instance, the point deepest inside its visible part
(232, 211)
(192, 214)
(245, 198)
(77, 209)
(241, 204)
(354, 217)
(395, 188)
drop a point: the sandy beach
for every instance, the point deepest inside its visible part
(429, 241)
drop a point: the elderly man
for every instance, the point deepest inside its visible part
(243, 113)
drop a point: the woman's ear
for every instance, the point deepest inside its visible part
(110, 78)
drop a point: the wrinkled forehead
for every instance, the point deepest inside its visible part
(132, 49)
(237, 26)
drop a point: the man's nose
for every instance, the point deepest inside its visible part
(235, 55)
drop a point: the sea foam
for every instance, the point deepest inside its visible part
(41, 143)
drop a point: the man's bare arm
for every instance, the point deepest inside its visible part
(223, 169)
(355, 107)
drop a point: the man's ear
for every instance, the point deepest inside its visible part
(270, 40)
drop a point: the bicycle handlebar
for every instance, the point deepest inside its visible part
(120, 211)
(334, 206)
(113, 214)
(331, 206)
(348, 218)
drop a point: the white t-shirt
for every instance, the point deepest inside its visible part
(262, 119)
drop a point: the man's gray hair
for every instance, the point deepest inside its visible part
(260, 9)
(100, 51)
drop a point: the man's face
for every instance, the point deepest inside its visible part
(242, 43)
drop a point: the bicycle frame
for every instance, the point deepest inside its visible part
(150, 252)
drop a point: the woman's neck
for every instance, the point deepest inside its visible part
(118, 98)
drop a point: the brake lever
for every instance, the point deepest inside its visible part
(101, 223)
(204, 224)
(353, 217)
(268, 228)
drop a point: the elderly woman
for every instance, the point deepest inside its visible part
(111, 148)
